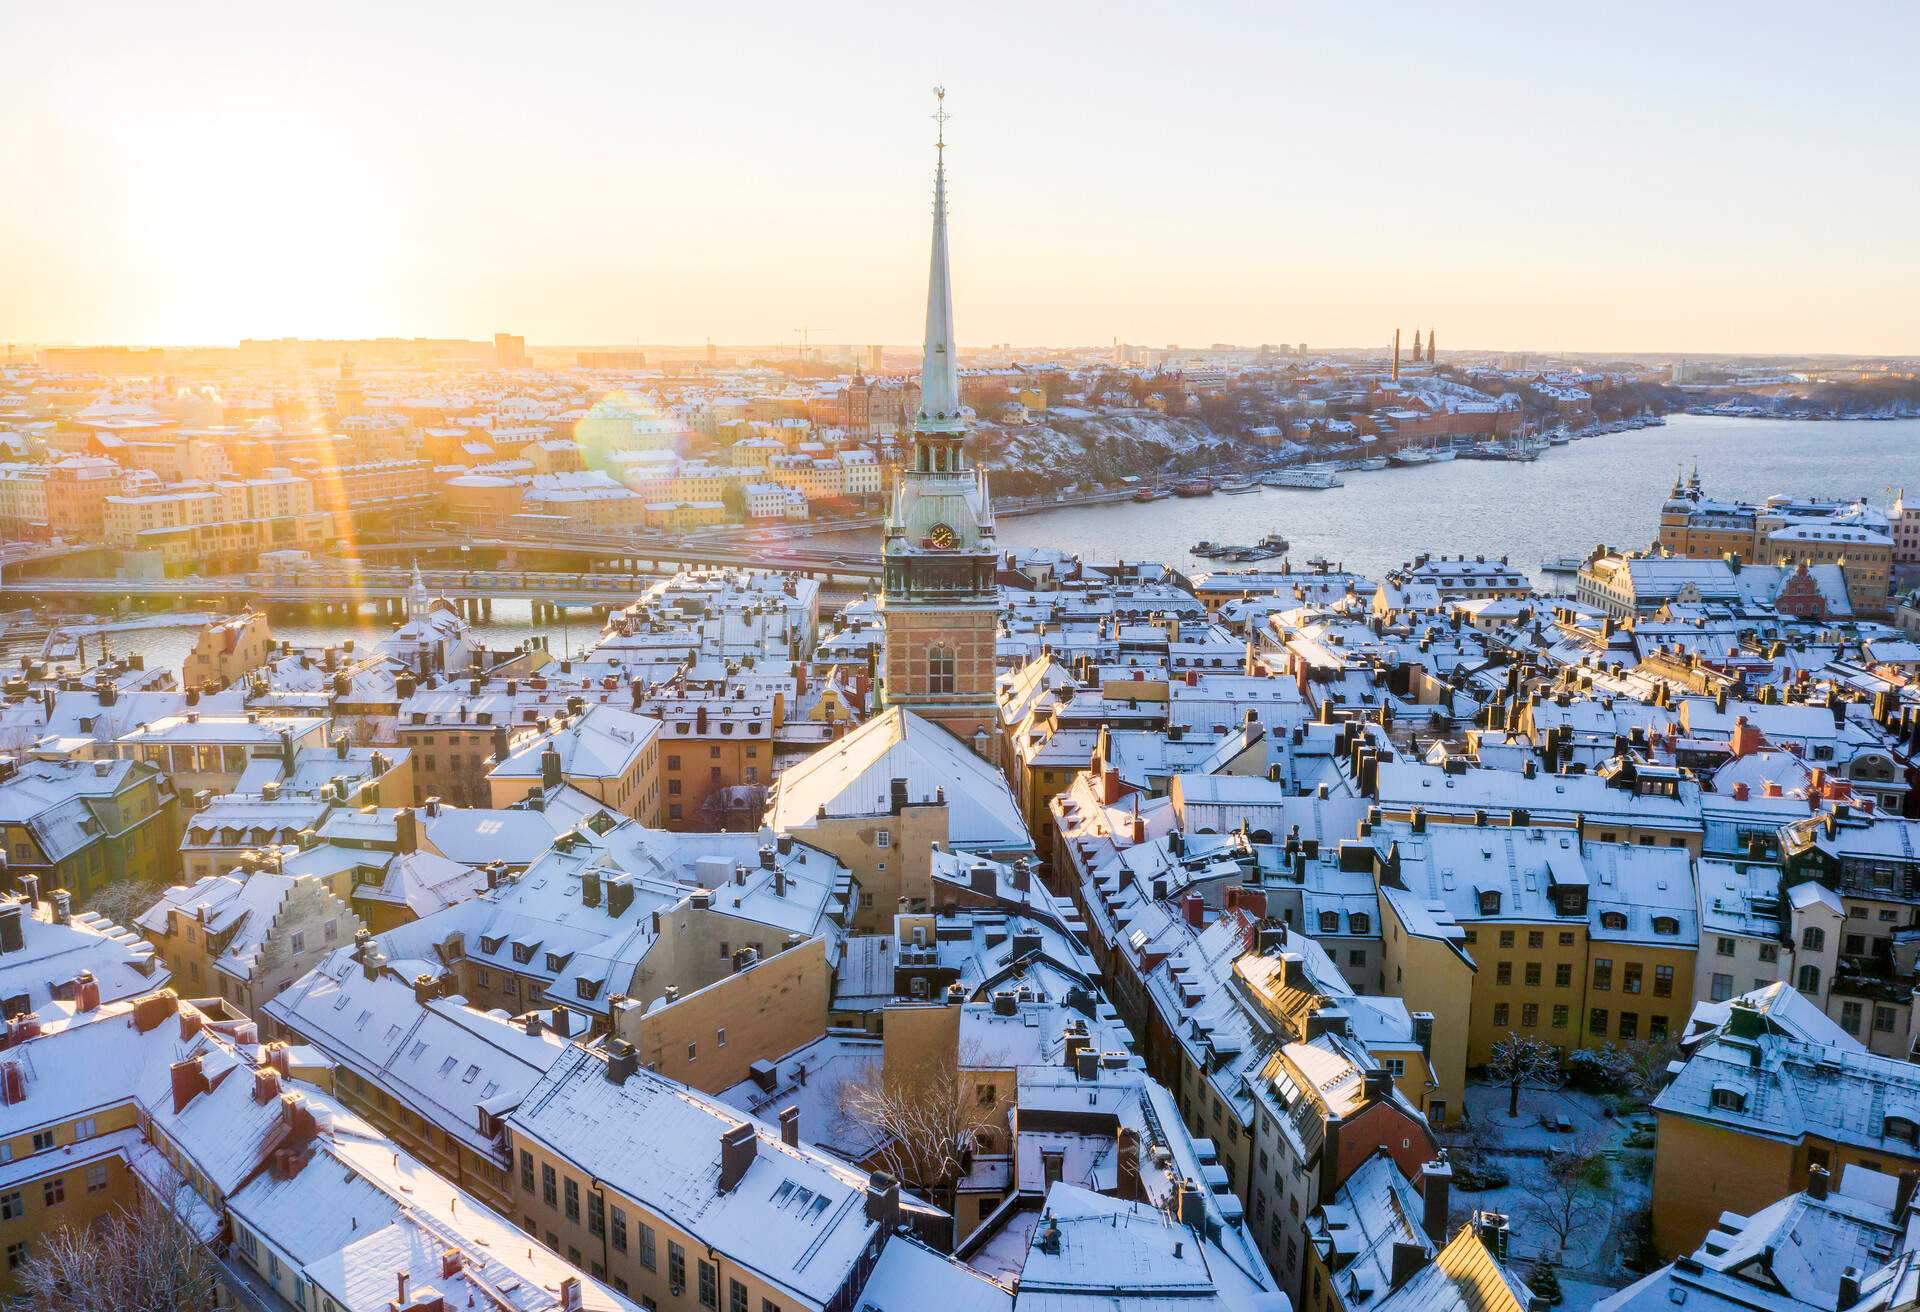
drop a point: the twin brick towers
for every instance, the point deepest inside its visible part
(939, 605)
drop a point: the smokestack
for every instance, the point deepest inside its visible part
(1396, 355)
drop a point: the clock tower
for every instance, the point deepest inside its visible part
(939, 605)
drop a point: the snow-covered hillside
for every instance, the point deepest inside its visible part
(1081, 447)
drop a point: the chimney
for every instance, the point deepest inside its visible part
(1817, 1181)
(406, 831)
(1408, 1258)
(570, 1294)
(790, 1126)
(622, 1061)
(13, 1084)
(550, 767)
(266, 1084)
(562, 1021)
(1493, 1232)
(619, 890)
(425, 989)
(188, 1080)
(883, 1200)
(1436, 1193)
(149, 1011)
(590, 888)
(1376, 1084)
(1849, 1292)
(897, 795)
(736, 1155)
(1193, 908)
(1086, 1064)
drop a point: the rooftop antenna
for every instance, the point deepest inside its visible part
(940, 117)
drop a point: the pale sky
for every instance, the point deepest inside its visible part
(1660, 177)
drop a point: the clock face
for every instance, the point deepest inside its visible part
(942, 536)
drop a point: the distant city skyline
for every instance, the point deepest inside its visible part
(1522, 180)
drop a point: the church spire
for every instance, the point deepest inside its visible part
(939, 373)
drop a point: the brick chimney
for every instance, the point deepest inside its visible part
(737, 1147)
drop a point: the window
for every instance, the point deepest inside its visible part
(1559, 1015)
(596, 1215)
(1883, 1019)
(1597, 1022)
(940, 668)
(1630, 977)
(676, 1267)
(1506, 935)
(1769, 952)
(1724, 946)
(16, 1255)
(96, 1177)
(1854, 944)
(1503, 973)
(709, 1285)
(85, 1128)
(1613, 920)
(647, 1250)
(1499, 1013)
(1358, 922)
(1729, 1100)
(1722, 988)
(619, 1234)
(883, 838)
(1533, 974)
(1850, 1017)
(1529, 1014)
(42, 1140)
(720, 1038)
(549, 1186)
(299, 944)
(1665, 925)
(12, 1206)
(1814, 939)
(1536, 938)
(988, 1095)
(1629, 1025)
(1657, 1028)
(1566, 938)
(1563, 975)
(55, 1191)
(526, 1170)
(1809, 982)
(1603, 973)
(736, 1297)
(1663, 981)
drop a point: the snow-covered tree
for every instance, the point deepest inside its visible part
(1520, 1061)
(138, 1258)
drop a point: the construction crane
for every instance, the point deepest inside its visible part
(806, 339)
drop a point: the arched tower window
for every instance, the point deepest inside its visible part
(940, 663)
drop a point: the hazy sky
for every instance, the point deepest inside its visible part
(1685, 177)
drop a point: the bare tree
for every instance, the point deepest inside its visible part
(137, 1258)
(1518, 1061)
(124, 900)
(1647, 1065)
(930, 1117)
(1572, 1193)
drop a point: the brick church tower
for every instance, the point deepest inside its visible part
(939, 605)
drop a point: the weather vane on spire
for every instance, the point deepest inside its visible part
(941, 116)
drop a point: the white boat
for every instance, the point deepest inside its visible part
(1442, 454)
(1237, 486)
(1312, 477)
(1368, 464)
(1412, 455)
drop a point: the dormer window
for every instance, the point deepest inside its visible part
(1358, 922)
(1490, 902)
(1665, 925)
(523, 952)
(1727, 1098)
(1613, 920)
(1329, 922)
